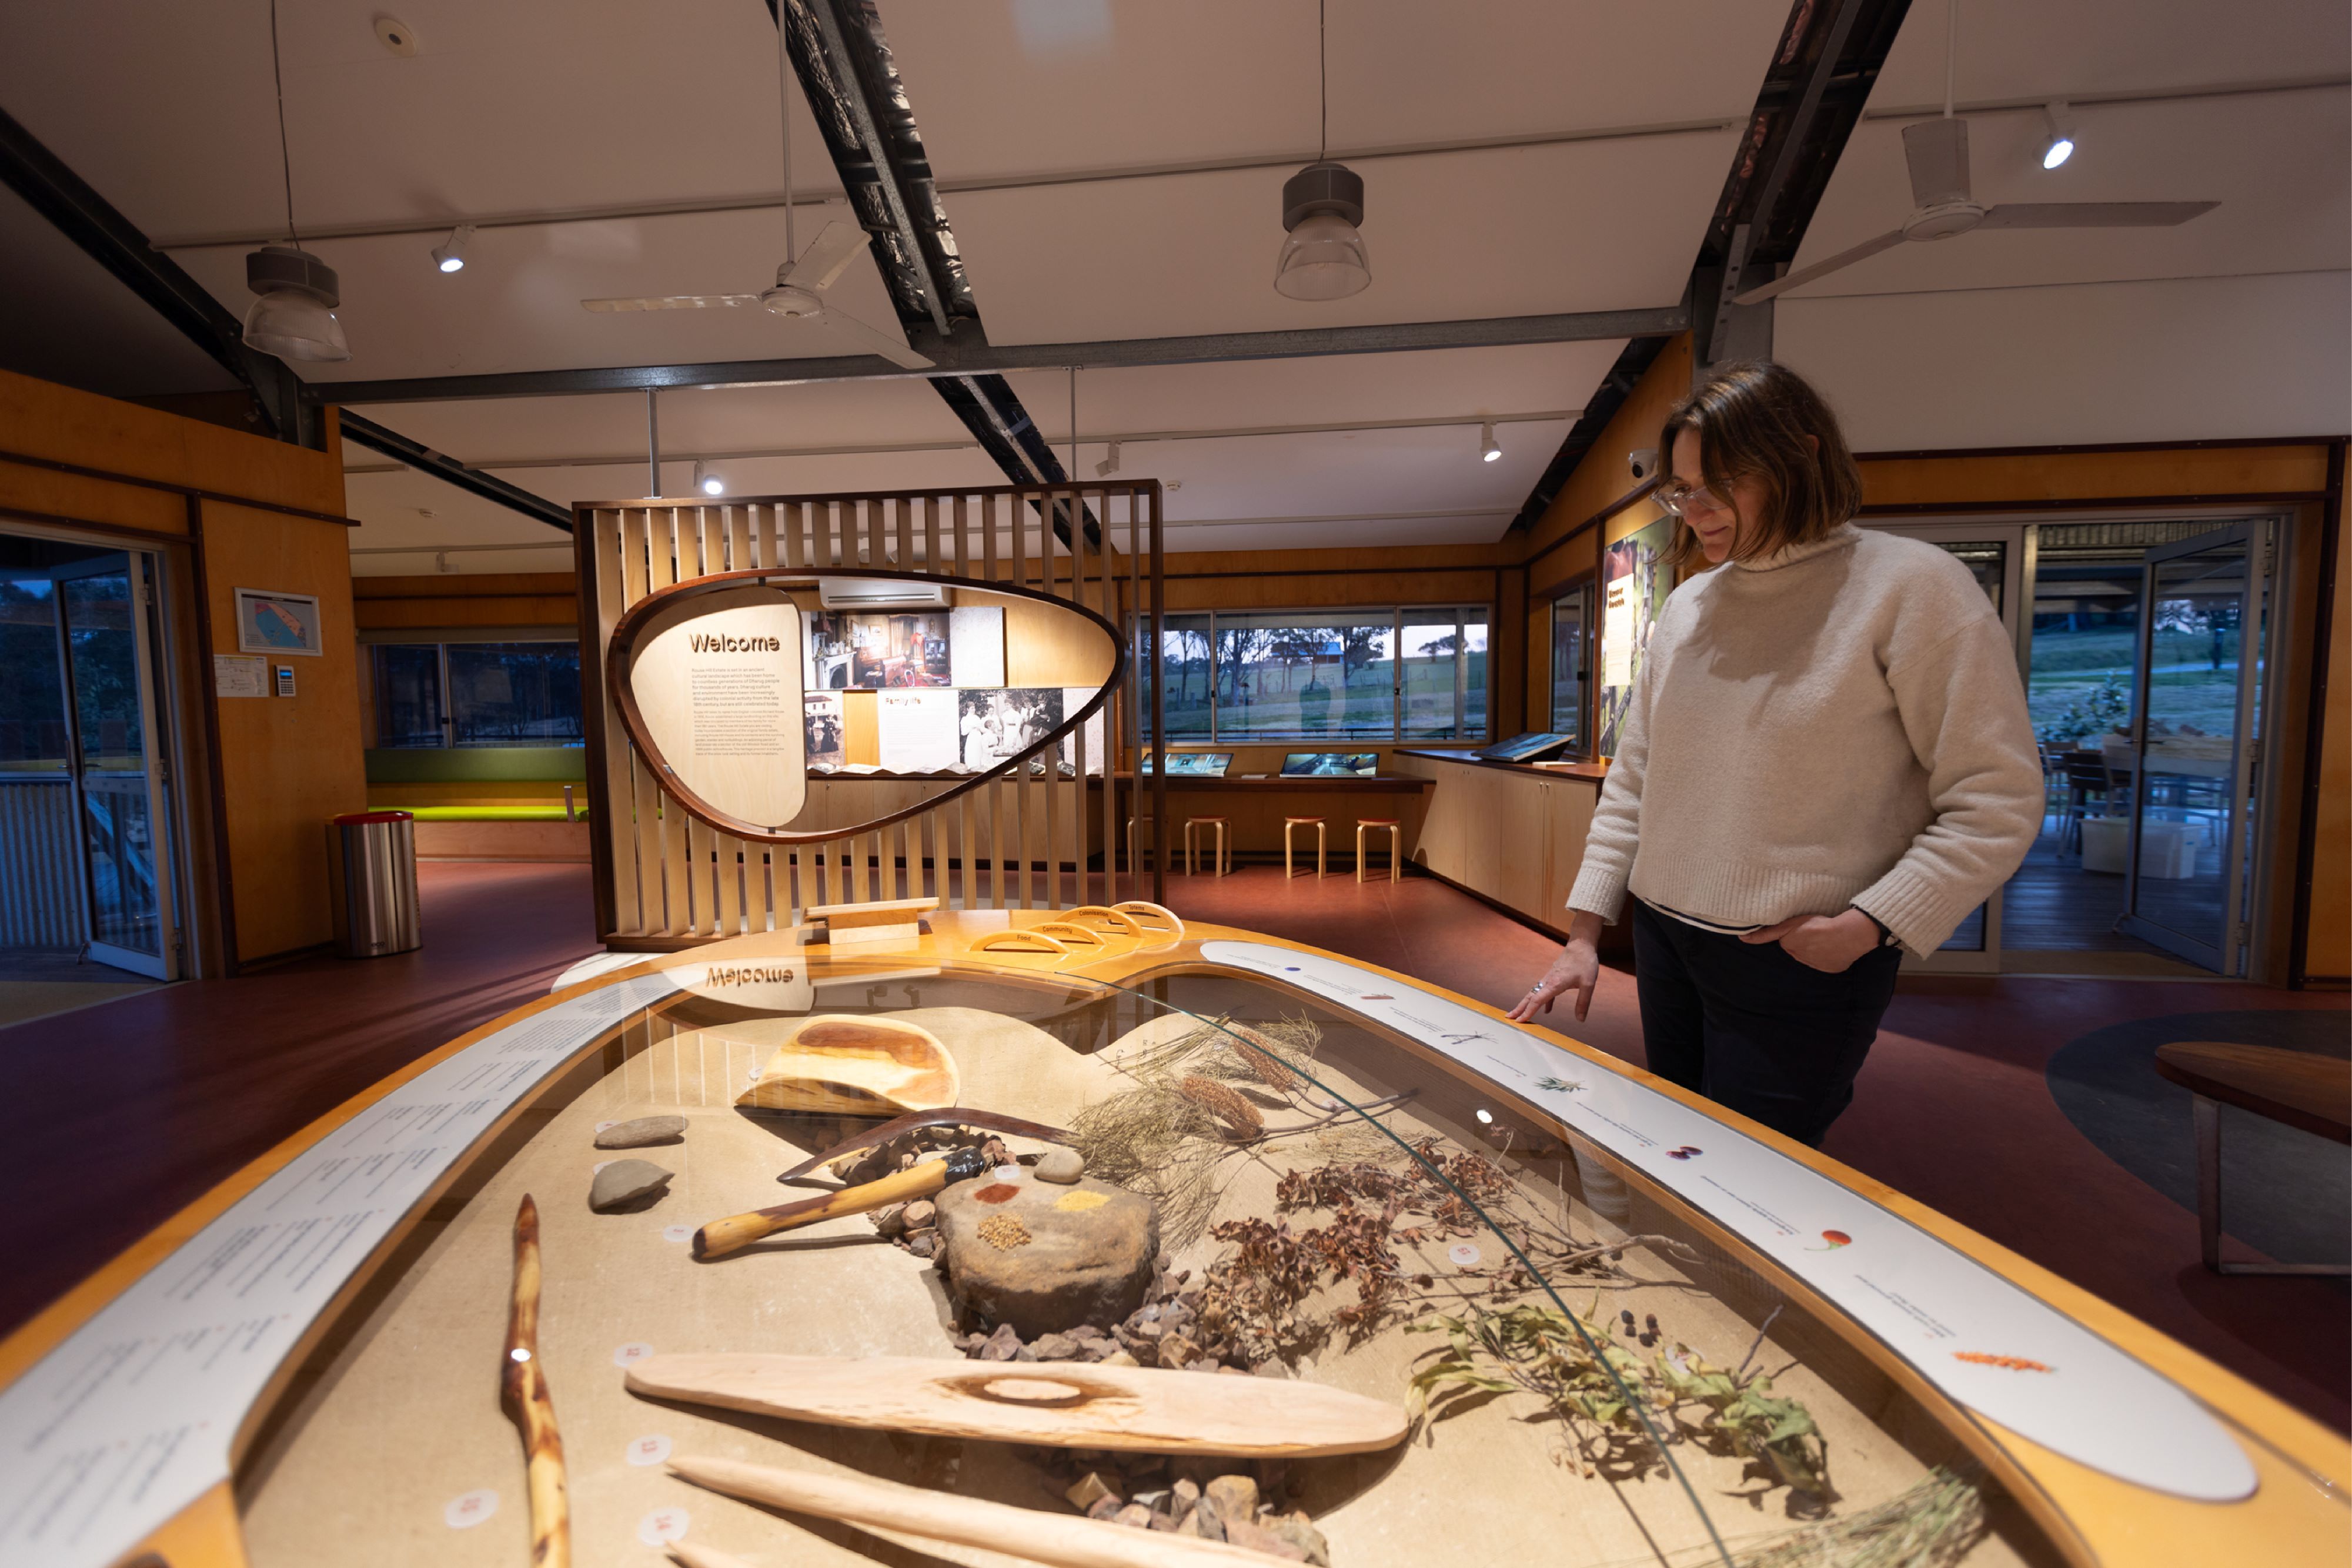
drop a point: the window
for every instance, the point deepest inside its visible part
(1324, 674)
(476, 694)
(1570, 667)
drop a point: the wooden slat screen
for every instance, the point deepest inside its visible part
(666, 880)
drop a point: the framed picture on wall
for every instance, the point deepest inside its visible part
(277, 623)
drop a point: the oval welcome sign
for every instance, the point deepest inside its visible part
(707, 676)
(714, 683)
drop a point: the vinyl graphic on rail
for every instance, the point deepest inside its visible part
(129, 1420)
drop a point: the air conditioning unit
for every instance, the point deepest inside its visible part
(879, 593)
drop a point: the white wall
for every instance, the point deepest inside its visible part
(2167, 360)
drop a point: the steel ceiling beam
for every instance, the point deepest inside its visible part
(367, 433)
(1829, 57)
(970, 353)
(91, 222)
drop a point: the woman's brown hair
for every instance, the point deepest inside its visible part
(1752, 418)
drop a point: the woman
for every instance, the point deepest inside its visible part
(1827, 758)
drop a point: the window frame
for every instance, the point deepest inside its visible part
(1396, 616)
(1581, 591)
(440, 639)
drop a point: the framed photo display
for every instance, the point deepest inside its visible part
(277, 623)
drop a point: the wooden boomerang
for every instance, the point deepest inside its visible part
(913, 1121)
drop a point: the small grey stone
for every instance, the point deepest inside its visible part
(1256, 1538)
(1135, 1515)
(1295, 1529)
(1062, 1167)
(923, 1243)
(919, 1216)
(891, 1221)
(623, 1182)
(1002, 1345)
(1236, 1497)
(1206, 1522)
(642, 1132)
(1056, 1347)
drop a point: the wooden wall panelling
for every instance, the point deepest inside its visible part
(617, 825)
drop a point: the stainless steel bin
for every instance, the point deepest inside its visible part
(371, 874)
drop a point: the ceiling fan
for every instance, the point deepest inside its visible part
(800, 291)
(798, 294)
(1936, 151)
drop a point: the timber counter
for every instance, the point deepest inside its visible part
(1511, 832)
(1507, 1300)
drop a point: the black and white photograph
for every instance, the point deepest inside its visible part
(998, 725)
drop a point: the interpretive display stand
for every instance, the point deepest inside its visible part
(1092, 1238)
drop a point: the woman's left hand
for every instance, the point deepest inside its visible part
(1830, 943)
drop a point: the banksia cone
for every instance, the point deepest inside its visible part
(1259, 1057)
(1239, 1117)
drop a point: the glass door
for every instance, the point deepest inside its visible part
(2204, 617)
(1996, 556)
(115, 759)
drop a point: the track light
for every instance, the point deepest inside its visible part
(294, 317)
(1489, 449)
(450, 254)
(1108, 466)
(2059, 145)
(707, 482)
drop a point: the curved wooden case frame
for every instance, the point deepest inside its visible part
(651, 608)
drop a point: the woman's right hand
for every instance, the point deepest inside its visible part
(1577, 970)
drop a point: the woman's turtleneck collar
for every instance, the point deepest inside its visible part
(1837, 538)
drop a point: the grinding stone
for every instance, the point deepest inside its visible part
(623, 1182)
(644, 1130)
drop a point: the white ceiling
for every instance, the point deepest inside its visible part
(1112, 169)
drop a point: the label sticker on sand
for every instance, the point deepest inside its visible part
(650, 1450)
(662, 1526)
(601, 1126)
(629, 1354)
(1462, 1253)
(681, 1234)
(468, 1510)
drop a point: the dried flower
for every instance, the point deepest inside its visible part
(1239, 1117)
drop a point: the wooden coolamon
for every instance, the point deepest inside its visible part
(665, 880)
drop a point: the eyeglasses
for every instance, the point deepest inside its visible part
(1680, 500)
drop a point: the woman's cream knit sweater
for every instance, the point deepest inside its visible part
(1838, 724)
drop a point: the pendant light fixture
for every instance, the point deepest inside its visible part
(1324, 256)
(294, 316)
(1489, 449)
(707, 482)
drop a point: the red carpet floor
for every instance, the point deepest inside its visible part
(125, 1112)
(121, 1114)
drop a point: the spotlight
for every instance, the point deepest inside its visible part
(710, 484)
(1108, 466)
(1489, 449)
(2059, 145)
(1487, 1118)
(294, 317)
(450, 254)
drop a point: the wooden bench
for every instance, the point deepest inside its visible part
(2312, 1092)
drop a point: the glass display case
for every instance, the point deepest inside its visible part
(1096, 1240)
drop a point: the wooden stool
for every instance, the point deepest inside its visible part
(1133, 864)
(2313, 1092)
(1291, 822)
(1396, 844)
(1222, 861)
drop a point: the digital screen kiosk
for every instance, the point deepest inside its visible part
(1528, 747)
(1195, 764)
(1330, 765)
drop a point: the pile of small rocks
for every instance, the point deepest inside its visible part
(1164, 1331)
(1237, 1500)
(914, 1226)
